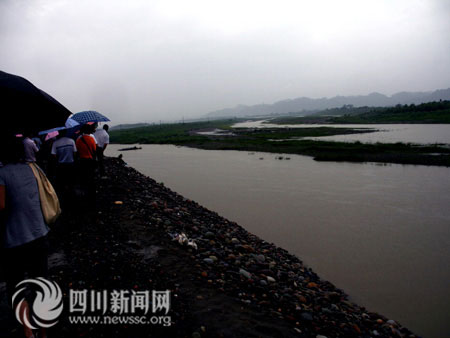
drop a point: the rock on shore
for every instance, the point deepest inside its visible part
(225, 282)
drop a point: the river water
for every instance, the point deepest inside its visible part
(386, 133)
(379, 232)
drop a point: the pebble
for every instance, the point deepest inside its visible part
(302, 299)
(270, 279)
(356, 328)
(260, 258)
(209, 235)
(245, 273)
(307, 316)
(333, 297)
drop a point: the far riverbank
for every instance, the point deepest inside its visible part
(285, 140)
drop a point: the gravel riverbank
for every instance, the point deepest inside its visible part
(225, 283)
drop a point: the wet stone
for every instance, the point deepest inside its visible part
(260, 258)
(245, 273)
(209, 235)
(307, 316)
(270, 279)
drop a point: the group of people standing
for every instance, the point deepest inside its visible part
(23, 230)
(71, 161)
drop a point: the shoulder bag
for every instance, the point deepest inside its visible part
(49, 200)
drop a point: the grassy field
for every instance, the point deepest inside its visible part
(284, 140)
(177, 133)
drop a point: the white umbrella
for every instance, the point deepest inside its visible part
(70, 123)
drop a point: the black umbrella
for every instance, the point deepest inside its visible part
(24, 107)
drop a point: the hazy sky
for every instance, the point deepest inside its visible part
(146, 60)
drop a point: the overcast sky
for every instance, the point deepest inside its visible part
(146, 60)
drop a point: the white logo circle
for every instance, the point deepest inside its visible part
(47, 304)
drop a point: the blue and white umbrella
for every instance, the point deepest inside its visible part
(89, 116)
(70, 123)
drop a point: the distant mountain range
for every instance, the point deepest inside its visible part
(308, 105)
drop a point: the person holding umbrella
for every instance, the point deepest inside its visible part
(87, 148)
(23, 234)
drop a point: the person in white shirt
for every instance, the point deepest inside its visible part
(64, 149)
(102, 138)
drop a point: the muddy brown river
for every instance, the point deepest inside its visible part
(379, 232)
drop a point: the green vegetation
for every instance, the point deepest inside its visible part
(433, 112)
(179, 133)
(284, 140)
(343, 151)
(183, 133)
